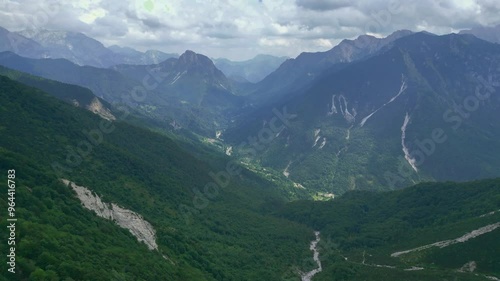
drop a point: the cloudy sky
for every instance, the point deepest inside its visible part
(240, 29)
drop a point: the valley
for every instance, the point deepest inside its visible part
(375, 159)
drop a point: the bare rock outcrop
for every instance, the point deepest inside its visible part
(98, 108)
(125, 218)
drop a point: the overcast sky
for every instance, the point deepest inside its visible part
(240, 29)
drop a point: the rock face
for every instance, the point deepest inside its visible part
(73, 46)
(130, 220)
(98, 108)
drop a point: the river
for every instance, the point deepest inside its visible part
(314, 247)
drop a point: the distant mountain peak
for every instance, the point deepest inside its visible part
(296, 73)
(50, 36)
(189, 52)
(74, 46)
(190, 57)
(11, 41)
(366, 40)
(127, 55)
(191, 61)
(400, 33)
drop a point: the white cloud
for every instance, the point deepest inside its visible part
(323, 43)
(275, 42)
(91, 15)
(240, 29)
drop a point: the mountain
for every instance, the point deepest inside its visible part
(127, 55)
(85, 196)
(104, 83)
(421, 109)
(431, 231)
(73, 170)
(73, 46)
(253, 70)
(75, 95)
(194, 83)
(189, 92)
(13, 42)
(296, 73)
(103, 199)
(488, 33)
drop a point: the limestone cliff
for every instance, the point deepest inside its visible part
(130, 220)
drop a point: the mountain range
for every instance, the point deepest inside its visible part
(205, 225)
(75, 47)
(375, 160)
(295, 74)
(347, 108)
(188, 91)
(398, 117)
(83, 50)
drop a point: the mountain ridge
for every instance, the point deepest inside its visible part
(74, 46)
(297, 73)
(72, 94)
(354, 118)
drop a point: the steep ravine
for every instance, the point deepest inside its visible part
(314, 247)
(406, 151)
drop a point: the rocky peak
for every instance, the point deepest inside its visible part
(193, 63)
(192, 59)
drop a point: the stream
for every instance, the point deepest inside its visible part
(314, 244)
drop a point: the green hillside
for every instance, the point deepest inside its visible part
(231, 238)
(362, 230)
